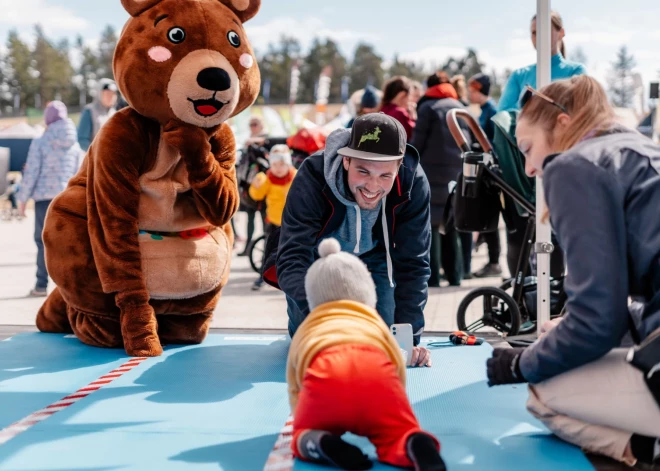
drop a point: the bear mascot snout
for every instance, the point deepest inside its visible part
(139, 244)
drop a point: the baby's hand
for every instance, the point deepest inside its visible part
(421, 357)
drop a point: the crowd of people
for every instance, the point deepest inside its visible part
(379, 189)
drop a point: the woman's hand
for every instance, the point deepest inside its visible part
(504, 368)
(421, 357)
(549, 325)
(21, 209)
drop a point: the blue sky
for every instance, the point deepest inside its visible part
(427, 30)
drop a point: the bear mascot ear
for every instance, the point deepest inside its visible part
(244, 9)
(135, 7)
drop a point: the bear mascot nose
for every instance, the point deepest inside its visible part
(214, 78)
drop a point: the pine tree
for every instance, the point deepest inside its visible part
(20, 73)
(322, 55)
(366, 68)
(107, 46)
(620, 81)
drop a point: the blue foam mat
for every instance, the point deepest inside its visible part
(222, 404)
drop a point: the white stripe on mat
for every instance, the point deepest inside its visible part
(31, 420)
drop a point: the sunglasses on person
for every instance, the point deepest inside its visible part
(254, 124)
(530, 92)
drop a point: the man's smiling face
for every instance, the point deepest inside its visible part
(370, 181)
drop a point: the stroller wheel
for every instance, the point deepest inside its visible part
(256, 253)
(499, 311)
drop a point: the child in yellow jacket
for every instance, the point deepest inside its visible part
(273, 186)
(346, 373)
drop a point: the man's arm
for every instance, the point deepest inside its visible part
(411, 256)
(302, 222)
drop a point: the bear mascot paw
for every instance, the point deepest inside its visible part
(139, 244)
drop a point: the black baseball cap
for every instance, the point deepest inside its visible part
(377, 137)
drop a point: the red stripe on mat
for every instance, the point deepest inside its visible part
(31, 420)
(281, 457)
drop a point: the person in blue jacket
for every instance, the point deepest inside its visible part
(560, 67)
(602, 188)
(367, 189)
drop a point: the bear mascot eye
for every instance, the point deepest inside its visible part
(234, 39)
(176, 35)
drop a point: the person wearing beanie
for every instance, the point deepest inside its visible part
(52, 160)
(479, 94)
(273, 187)
(369, 103)
(346, 373)
(442, 161)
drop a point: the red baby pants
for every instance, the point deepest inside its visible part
(355, 388)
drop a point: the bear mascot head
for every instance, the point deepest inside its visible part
(139, 244)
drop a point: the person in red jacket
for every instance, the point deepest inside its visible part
(396, 102)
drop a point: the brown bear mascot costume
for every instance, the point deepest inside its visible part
(139, 244)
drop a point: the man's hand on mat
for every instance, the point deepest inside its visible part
(421, 357)
(504, 368)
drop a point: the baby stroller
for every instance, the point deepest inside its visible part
(490, 184)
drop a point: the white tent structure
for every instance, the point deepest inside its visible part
(543, 246)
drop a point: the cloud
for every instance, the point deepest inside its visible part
(23, 13)
(305, 30)
(433, 56)
(610, 38)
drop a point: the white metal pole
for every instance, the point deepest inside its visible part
(543, 233)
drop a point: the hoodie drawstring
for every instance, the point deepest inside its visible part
(387, 243)
(358, 229)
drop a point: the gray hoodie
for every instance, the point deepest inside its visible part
(355, 235)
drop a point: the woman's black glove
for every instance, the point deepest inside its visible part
(504, 367)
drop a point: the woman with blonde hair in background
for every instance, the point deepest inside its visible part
(602, 188)
(560, 67)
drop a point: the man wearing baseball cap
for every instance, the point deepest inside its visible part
(368, 191)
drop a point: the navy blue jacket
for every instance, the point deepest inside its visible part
(604, 202)
(312, 211)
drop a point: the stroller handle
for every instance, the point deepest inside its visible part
(457, 132)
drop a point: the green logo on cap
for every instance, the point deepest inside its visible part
(370, 136)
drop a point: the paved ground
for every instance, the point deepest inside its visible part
(239, 308)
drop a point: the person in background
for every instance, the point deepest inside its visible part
(396, 102)
(458, 82)
(441, 159)
(560, 67)
(52, 160)
(95, 115)
(367, 190)
(343, 341)
(258, 136)
(273, 187)
(416, 93)
(369, 103)
(479, 94)
(602, 189)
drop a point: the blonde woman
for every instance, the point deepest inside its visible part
(602, 187)
(560, 67)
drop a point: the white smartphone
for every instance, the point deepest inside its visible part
(403, 334)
